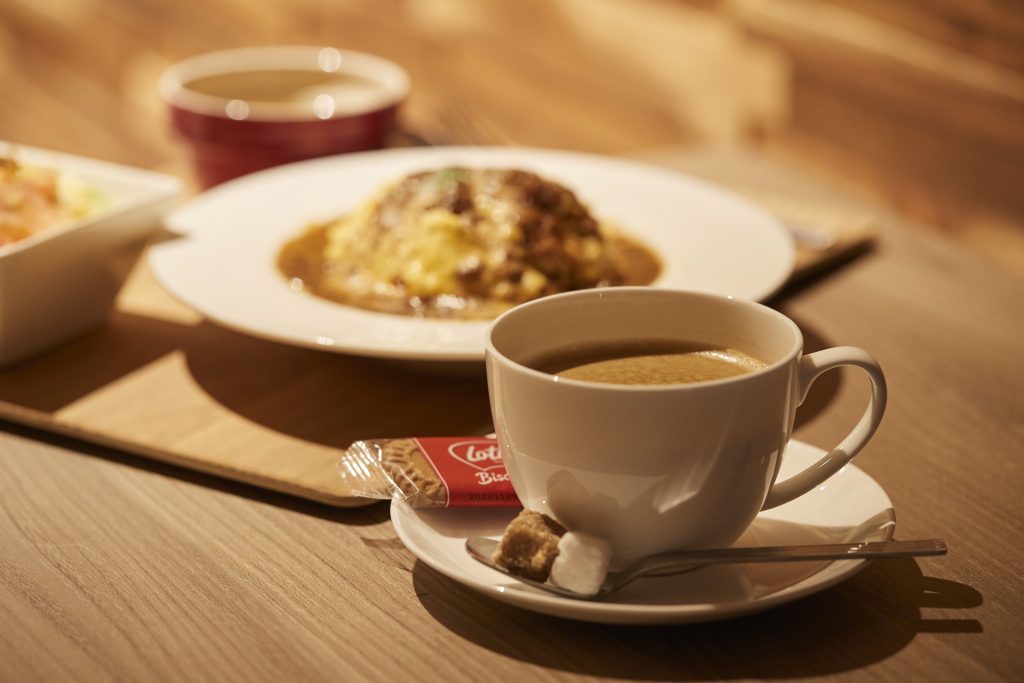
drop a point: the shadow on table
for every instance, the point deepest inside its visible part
(81, 366)
(862, 621)
(325, 398)
(334, 399)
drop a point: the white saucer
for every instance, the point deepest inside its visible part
(849, 507)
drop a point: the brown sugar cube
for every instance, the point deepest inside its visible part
(529, 545)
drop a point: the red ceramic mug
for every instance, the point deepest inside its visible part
(242, 110)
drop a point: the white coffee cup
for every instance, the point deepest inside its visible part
(653, 468)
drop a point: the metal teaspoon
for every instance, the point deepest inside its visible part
(482, 549)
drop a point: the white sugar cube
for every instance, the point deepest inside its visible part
(581, 564)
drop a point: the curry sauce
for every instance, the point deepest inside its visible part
(303, 263)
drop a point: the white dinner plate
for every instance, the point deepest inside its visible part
(849, 507)
(224, 264)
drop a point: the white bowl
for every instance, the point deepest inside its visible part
(62, 281)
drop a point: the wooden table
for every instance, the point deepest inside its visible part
(116, 567)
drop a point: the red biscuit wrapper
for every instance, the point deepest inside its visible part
(433, 472)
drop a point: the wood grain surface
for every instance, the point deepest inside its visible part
(116, 567)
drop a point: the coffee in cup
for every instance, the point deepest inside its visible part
(645, 361)
(654, 460)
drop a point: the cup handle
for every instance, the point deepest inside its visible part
(812, 366)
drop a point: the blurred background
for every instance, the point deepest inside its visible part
(916, 105)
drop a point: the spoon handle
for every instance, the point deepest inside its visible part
(790, 553)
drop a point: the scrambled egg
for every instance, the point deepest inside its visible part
(460, 238)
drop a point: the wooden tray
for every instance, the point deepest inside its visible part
(161, 382)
